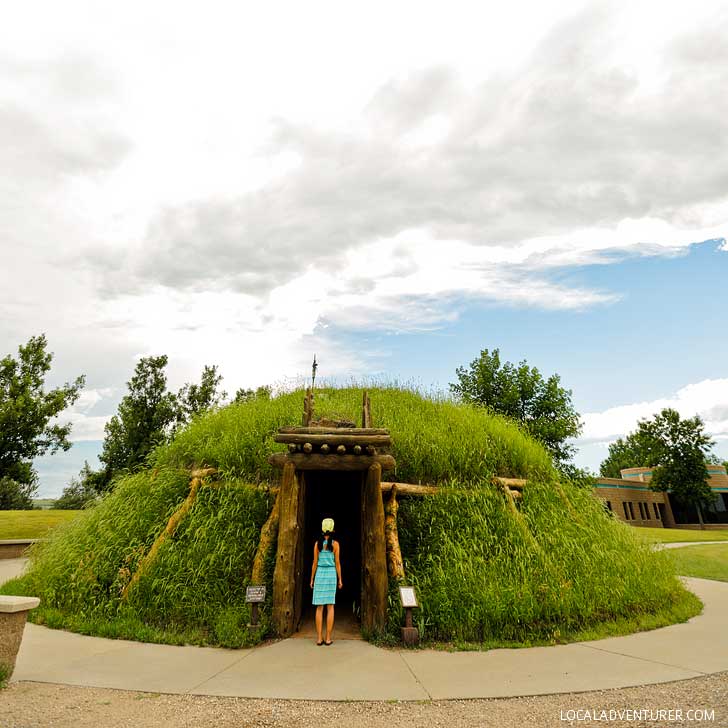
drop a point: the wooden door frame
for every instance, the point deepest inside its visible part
(288, 577)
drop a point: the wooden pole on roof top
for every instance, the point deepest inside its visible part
(366, 411)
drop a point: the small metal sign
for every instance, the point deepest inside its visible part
(408, 597)
(255, 594)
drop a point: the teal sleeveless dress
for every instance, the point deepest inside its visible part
(324, 584)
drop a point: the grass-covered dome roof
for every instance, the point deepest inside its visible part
(485, 571)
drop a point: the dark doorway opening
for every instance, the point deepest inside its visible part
(337, 495)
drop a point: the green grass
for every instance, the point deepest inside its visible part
(709, 561)
(676, 535)
(32, 524)
(558, 566)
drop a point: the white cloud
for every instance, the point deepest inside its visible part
(223, 187)
(708, 399)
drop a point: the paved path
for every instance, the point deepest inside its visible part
(10, 568)
(680, 544)
(355, 670)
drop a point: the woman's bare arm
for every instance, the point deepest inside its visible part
(338, 563)
(315, 563)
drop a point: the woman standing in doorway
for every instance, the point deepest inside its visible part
(325, 575)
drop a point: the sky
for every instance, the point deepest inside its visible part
(391, 186)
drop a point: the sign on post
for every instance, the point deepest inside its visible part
(254, 595)
(408, 598)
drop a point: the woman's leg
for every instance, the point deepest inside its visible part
(319, 621)
(329, 621)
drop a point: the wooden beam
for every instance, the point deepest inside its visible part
(512, 483)
(301, 461)
(268, 538)
(409, 488)
(366, 411)
(374, 554)
(333, 430)
(395, 564)
(333, 438)
(307, 408)
(174, 520)
(284, 576)
(202, 472)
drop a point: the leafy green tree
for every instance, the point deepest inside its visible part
(149, 415)
(543, 406)
(143, 420)
(638, 450)
(677, 450)
(27, 411)
(248, 395)
(193, 399)
(80, 491)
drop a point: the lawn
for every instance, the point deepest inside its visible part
(709, 561)
(31, 524)
(673, 535)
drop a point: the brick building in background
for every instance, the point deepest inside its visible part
(632, 501)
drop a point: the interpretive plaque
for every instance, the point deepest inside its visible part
(255, 594)
(408, 597)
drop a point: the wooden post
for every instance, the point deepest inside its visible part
(395, 565)
(301, 529)
(268, 537)
(374, 553)
(284, 576)
(366, 411)
(308, 408)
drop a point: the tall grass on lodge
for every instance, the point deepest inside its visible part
(433, 438)
(198, 574)
(482, 576)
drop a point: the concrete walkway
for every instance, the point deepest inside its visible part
(355, 670)
(680, 544)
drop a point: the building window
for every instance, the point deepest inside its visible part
(626, 512)
(631, 511)
(657, 511)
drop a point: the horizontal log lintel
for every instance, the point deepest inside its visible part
(331, 462)
(409, 488)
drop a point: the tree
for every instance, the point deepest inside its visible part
(149, 416)
(80, 491)
(194, 399)
(677, 450)
(16, 495)
(143, 419)
(543, 406)
(248, 395)
(26, 415)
